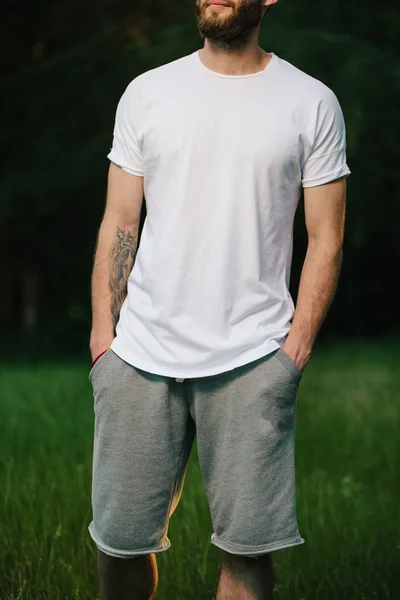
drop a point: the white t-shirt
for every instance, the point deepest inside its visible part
(224, 159)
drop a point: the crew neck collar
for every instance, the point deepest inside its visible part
(257, 74)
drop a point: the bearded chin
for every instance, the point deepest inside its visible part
(231, 33)
(226, 39)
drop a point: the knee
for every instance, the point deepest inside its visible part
(266, 557)
(247, 559)
(144, 566)
(141, 561)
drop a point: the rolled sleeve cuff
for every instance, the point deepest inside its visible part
(129, 159)
(344, 171)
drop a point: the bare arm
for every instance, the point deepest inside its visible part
(325, 219)
(115, 255)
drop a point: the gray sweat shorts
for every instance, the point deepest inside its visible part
(145, 425)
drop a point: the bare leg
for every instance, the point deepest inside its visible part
(127, 579)
(245, 578)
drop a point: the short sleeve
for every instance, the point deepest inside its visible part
(126, 150)
(327, 159)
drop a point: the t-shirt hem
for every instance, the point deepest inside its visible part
(327, 178)
(240, 361)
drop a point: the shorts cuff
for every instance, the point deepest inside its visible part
(126, 553)
(254, 550)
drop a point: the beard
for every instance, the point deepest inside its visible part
(233, 30)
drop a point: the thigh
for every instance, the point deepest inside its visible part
(142, 441)
(245, 423)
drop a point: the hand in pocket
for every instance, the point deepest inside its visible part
(99, 356)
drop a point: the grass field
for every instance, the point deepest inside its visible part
(348, 503)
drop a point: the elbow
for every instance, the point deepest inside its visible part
(329, 246)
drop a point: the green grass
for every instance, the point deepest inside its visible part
(348, 502)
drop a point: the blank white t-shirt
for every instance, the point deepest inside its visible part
(224, 159)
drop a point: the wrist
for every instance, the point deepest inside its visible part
(101, 330)
(96, 356)
(298, 350)
(100, 339)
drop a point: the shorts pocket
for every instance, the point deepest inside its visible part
(98, 362)
(290, 365)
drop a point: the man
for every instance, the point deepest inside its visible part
(201, 337)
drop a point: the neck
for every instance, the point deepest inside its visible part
(234, 62)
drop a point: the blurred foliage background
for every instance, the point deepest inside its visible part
(64, 68)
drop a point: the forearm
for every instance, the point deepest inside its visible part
(114, 260)
(318, 283)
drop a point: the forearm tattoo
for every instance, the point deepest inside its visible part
(123, 255)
